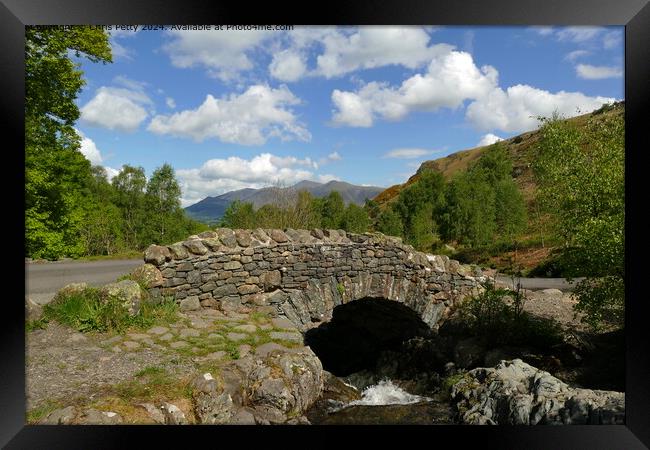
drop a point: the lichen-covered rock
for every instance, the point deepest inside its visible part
(227, 237)
(126, 292)
(278, 236)
(33, 311)
(178, 251)
(173, 414)
(156, 254)
(285, 381)
(213, 406)
(95, 417)
(195, 246)
(517, 393)
(191, 303)
(269, 387)
(70, 289)
(149, 275)
(243, 238)
(62, 416)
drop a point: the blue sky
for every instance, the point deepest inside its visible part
(235, 109)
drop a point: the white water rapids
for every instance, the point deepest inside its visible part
(385, 393)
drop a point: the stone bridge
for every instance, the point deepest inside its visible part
(304, 274)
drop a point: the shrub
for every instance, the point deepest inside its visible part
(86, 312)
(497, 317)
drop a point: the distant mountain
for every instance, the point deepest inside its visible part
(211, 209)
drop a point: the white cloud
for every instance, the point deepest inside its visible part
(450, 80)
(589, 72)
(572, 56)
(111, 172)
(516, 109)
(408, 153)
(543, 31)
(489, 139)
(288, 65)
(121, 52)
(613, 39)
(118, 50)
(170, 102)
(217, 176)
(250, 118)
(375, 46)
(89, 149)
(334, 156)
(341, 50)
(578, 34)
(116, 108)
(223, 53)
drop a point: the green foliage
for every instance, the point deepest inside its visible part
(484, 202)
(128, 193)
(496, 316)
(390, 223)
(164, 213)
(418, 205)
(470, 214)
(332, 210)
(582, 184)
(85, 311)
(56, 173)
(239, 215)
(355, 219)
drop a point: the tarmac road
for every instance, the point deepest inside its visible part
(43, 280)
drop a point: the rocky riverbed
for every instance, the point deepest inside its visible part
(251, 367)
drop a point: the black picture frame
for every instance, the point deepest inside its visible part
(633, 14)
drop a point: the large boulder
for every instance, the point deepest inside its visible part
(33, 311)
(157, 254)
(70, 289)
(127, 293)
(148, 275)
(516, 393)
(270, 387)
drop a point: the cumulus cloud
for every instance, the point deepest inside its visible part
(449, 80)
(250, 118)
(376, 46)
(342, 50)
(223, 53)
(170, 102)
(89, 149)
(288, 65)
(516, 109)
(217, 176)
(117, 108)
(409, 153)
(589, 72)
(488, 139)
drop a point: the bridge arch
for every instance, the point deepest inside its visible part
(304, 274)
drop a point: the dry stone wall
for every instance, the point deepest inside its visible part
(304, 274)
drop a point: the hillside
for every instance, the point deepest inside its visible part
(213, 208)
(521, 150)
(535, 246)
